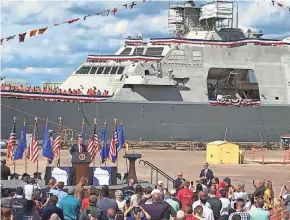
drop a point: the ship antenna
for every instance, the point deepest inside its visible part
(237, 18)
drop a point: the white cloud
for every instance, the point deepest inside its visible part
(34, 70)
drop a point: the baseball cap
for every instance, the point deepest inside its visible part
(71, 190)
(159, 182)
(180, 214)
(155, 191)
(242, 184)
(172, 191)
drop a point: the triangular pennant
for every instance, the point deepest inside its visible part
(32, 33)
(273, 3)
(1, 41)
(115, 10)
(22, 37)
(85, 17)
(98, 13)
(55, 24)
(126, 6)
(42, 30)
(72, 21)
(10, 38)
(133, 4)
(279, 4)
(108, 12)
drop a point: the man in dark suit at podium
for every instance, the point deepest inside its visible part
(79, 147)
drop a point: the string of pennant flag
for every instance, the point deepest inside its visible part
(106, 12)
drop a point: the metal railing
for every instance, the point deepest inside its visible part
(158, 171)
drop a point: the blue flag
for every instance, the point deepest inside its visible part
(22, 144)
(46, 144)
(121, 138)
(104, 151)
(83, 133)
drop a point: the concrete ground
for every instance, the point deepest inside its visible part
(190, 163)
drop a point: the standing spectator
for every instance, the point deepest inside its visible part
(207, 212)
(269, 195)
(70, 205)
(46, 190)
(24, 180)
(111, 214)
(215, 183)
(198, 213)
(93, 210)
(50, 208)
(173, 197)
(137, 197)
(185, 195)
(260, 190)
(206, 174)
(198, 202)
(251, 204)
(160, 187)
(30, 188)
(159, 209)
(240, 204)
(285, 215)
(226, 205)
(287, 203)
(29, 212)
(79, 190)
(137, 213)
(198, 188)
(241, 193)
(6, 213)
(188, 212)
(120, 201)
(128, 191)
(179, 181)
(18, 204)
(259, 213)
(37, 199)
(91, 191)
(105, 203)
(57, 190)
(180, 215)
(275, 213)
(5, 171)
(171, 202)
(215, 204)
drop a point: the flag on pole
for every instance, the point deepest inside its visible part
(33, 149)
(11, 141)
(57, 142)
(104, 145)
(113, 146)
(94, 144)
(46, 144)
(121, 138)
(22, 144)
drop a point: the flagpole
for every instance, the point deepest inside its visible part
(14, 165)
(60, 135)
(105, 126)
(95, 127)
(36, 142)
(47, 161)
(115, 127)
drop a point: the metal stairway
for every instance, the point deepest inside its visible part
(158, 171)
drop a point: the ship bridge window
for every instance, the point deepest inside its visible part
(107, 70)
(232, 86)
(114, 70)
(100, 70)
(177, 55)
(126, 51)
(83, 70)
(120, 70)
(138, 51)
(93, 70)
(154, 51)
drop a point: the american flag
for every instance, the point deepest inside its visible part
(11, 142)
(94, 144)
(113, 146)
(33, 149)
(56, 143)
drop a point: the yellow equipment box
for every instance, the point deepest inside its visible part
(223, 152)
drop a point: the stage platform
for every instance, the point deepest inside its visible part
(13, 184)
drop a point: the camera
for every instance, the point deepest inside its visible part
(49, 194)
(136, 209)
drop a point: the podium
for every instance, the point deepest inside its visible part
(81, 163)
(132, 169)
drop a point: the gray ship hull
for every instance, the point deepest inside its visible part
(154, 121)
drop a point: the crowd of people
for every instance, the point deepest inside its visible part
(208, 198)
(36, 89)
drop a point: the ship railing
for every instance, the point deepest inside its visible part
(158, 172)
(51, 96)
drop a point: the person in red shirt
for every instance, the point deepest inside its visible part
(185, 195)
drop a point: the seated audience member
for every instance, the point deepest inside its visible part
(92, 210)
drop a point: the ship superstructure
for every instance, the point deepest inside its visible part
(207, 77)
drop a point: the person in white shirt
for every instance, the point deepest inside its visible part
(240, 194)
(207, 212)
(226, 205)
(198, 202)
(30, 188)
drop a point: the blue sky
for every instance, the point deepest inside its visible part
(54, 55)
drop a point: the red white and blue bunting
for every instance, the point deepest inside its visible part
(235, 102)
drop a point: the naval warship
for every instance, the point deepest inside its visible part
(208, 80)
